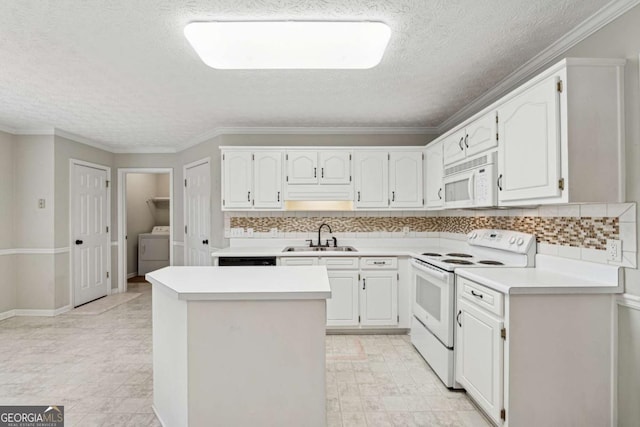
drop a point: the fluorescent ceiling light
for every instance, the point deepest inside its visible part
(289, 44)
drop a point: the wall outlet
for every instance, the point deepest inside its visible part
(249, 232)
(41, 203)
(273, 232)
(614, 250)
(405, 231)
(237, 232)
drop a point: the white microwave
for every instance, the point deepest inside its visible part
(471, 184)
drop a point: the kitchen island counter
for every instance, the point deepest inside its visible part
(239, 346)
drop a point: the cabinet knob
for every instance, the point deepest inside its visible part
(79, 242)
(205, 242)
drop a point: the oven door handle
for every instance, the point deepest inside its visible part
(428, 271)
(472, 187)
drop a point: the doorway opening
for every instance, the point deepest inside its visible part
(145, 219)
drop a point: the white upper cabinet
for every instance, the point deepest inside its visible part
(481, 134)
(529, 160)
(371, 179)
(302, 167)
(252, 180)
(335, 167)
(236, 180)
(434, 170)
(267, 183)
(405, 179)
(561, 136)
(477, 136)
(453, 147)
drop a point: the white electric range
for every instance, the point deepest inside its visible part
(434, 301)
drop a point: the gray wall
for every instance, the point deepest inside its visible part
(7, 270)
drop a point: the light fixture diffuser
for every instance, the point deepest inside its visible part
(289, 44)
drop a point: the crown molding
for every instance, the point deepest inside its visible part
(83, 140)
(143, 149)
(589, 26)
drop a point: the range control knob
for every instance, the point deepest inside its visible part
(520, 241)
(474, 235)
(512, 240)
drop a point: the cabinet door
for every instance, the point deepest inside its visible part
(302, 167)
(371, 179)
(405, 179)
(342, 307)
(529, 153)
(379, 298)
(267, 179)
(236, 192)
(479, 357)
(335, 167)
(298, 261)
(481, 134)
(434, 167)
(453, 147)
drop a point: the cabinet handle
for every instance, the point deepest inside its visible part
(314, 173)
(477, 295)
(321, 172)
(205, 242)
(358, 196)
(393, 196)
(458, 318)
(500, 182)
(248, 196)
(364, 284)
(79, 242)
(379, 262)
(460, 144)
(440, 193)
(466, 138)
(278, 196)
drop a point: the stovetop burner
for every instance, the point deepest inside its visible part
(490, 262)
(458, 261)
(431, 254)
(460, 255)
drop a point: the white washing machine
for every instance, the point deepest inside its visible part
(153, 249)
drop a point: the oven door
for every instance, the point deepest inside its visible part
(433, 303)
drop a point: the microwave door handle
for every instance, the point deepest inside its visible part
(472, 186)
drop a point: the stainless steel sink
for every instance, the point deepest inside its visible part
(319, 249)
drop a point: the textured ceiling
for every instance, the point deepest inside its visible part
(121, 72)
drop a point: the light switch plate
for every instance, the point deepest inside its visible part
(405, 231)
(41, 203)
(249, 232)
(614, 250)
(273, 232)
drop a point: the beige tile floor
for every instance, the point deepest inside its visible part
(100, 368)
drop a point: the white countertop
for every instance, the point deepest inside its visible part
(247, 283)
(552, 275)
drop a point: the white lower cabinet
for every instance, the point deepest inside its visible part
(364, 291)
(342, 307)
(379, 298)
(531, 360)
(479, 357)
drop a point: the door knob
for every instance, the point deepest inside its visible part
(205, 242)
(79, 242)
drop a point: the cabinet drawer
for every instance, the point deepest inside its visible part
(490, 300)
(340, 263)
(379, 263)
(297, 261)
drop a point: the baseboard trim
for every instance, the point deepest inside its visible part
(7, 314)
(35, 251)
(629, 300)
(130, 275)
(61, 310)
(155, 411)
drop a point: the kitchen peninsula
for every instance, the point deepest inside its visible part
(239, 346)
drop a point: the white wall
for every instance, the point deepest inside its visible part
(143, 214)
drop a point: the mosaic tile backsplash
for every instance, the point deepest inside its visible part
(581, 232)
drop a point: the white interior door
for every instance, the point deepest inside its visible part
(197, 198)
(90, 233)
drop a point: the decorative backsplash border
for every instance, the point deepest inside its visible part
(580, 232)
